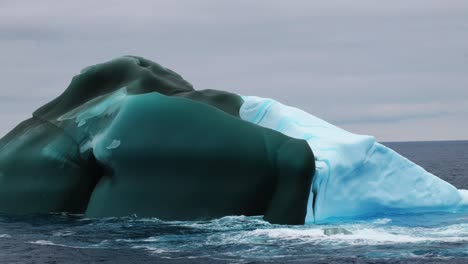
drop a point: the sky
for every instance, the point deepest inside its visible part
(397, 70)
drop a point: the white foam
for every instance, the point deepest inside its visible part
(44, 243)
(382, 221)
(156, 250)
(364, 234)
(50, 243)
(63, 233)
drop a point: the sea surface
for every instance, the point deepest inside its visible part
(404, 238)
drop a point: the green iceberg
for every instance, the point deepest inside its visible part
(130, 137)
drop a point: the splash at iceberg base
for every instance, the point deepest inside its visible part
(355, 176)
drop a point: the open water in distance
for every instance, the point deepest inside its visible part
(404, 238)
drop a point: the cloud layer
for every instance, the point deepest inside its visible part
(394, 69)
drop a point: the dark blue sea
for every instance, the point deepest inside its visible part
(406, 238)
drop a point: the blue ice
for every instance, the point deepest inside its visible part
(355, 175)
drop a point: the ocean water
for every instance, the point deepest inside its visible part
(404, 238)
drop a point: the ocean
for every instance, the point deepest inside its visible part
(403, 238)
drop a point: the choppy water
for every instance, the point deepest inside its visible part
(415, 238)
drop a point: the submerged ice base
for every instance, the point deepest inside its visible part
(355, 176)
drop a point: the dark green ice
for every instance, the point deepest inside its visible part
(130, 137)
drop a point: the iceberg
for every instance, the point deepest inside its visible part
(131, 137)
(355, 175)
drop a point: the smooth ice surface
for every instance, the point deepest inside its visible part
(355, 175)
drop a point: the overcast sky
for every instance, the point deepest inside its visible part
(397, 70)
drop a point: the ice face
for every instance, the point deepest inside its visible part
(355, 175)
(126, 133)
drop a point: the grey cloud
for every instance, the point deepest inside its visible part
(335, 59)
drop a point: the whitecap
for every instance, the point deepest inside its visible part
(382, 221)
(63, 233)
(43, 243)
